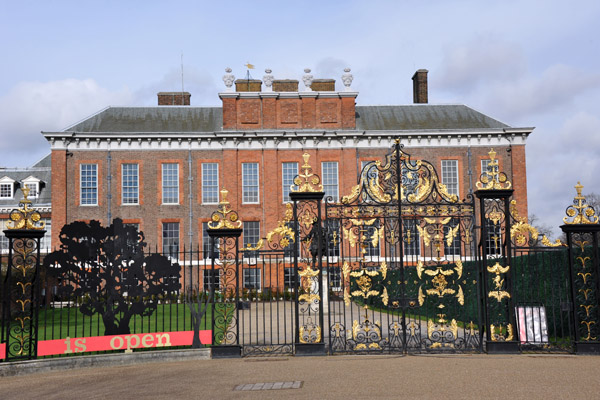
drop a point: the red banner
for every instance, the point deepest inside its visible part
(115, 342)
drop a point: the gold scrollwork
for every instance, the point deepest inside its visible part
(26, 217)
(224, 218)
(307, 181)
(580, 212)
(498, 293)
(557, 243)
(498, 335)
(493, 179)
(588, 325)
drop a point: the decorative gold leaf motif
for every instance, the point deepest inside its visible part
(384, 297)
(224, 218)
(588, 324)
(452, 232)
(421, 296)
(25, 217)
(424, 234)
(352, 196)
(307, 181)
(492, 179)
(546, 242)
(460, 296)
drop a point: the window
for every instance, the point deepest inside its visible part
(454, 248)
(210, 183)
(493, 242)
(130, 184)
(33, 184)
(170, 183)
(289, 278)
(333, 237)
(206, 243)
(89, 184)
(251, 237)
(170, 238)
(6, 190)
(330, 179)
(45, 243)
(289, 170)
(252, 278)
(249, 182)
(211, 279)
(411, 238)
(450, 175)
(486, 168)
(335, 277)
(3, 238)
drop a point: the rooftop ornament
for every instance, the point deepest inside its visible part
(307, 79)
(225, 218)
(26, 217)
(492, 179)
(228, 79)
(307, 181)
(347, 79)
(580, 212)
(268, 80)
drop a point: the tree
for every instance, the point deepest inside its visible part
(106, 268)
(543, 229)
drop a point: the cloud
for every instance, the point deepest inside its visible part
(482, 60)
(556, 87)
(31, 107)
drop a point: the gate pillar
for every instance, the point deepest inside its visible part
(494, 193)
(20, 289)
(224, 231)
(582, 230)
(308, 265)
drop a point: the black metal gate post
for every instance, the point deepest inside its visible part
(582, 230)
(308, 264)
(20, 300)
(225, 230)
(494, 193)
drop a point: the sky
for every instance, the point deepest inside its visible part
(525, 63)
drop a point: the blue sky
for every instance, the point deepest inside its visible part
(526, 63)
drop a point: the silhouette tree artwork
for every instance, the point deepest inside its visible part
(106, 269)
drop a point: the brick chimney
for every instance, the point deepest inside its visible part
(174, 98)
(420, 87)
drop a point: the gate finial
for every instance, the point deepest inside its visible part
(224, 218)
(493, 179)
(580, 211)
(26, 217)
(307, 181)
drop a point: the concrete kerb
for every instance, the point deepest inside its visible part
(101, 360)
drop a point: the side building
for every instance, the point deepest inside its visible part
(38, 179)
(162, 167)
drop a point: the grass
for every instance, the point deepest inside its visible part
(58, 323)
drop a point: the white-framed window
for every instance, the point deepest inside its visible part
(212, 278)
(130, 182)
(7, 188)
(170, 239)
(251, 237)
(206, 243)
(335, 277)
(485, 168)
(450, 175)
(289, 170)
(329, 176)
(250, 183)
(3, 239)
(252, 278)
(45, 243)
(88, 179)
(493, 241)
(210, 183)
(371, 234)
(411, 238)
(333, 237)
(170, 183)
(289, 278)
(33, 184)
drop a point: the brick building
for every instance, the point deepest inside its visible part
(162, 167)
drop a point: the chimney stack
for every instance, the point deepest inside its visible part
(174, 98)
(420, 87)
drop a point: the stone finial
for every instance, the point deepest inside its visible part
(268, 80)
(307, 79)
(347, 79)
(228, 79)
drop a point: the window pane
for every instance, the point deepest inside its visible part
(6, 190)
(89, 184)
(251, 236)
(252, 278)
(412, 241)
(450, 175)
(170, 183)
(210, 183)
(333, 238)
(130, 184)
(211, 279)
(289, 278)
(250, 182)
(170, 236)
(289, 170)
(452, 228)
(330, 179)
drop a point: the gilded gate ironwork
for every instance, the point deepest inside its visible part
(406, 262)
(20, 289)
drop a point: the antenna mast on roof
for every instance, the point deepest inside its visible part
(248, 77)
(182, 91)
